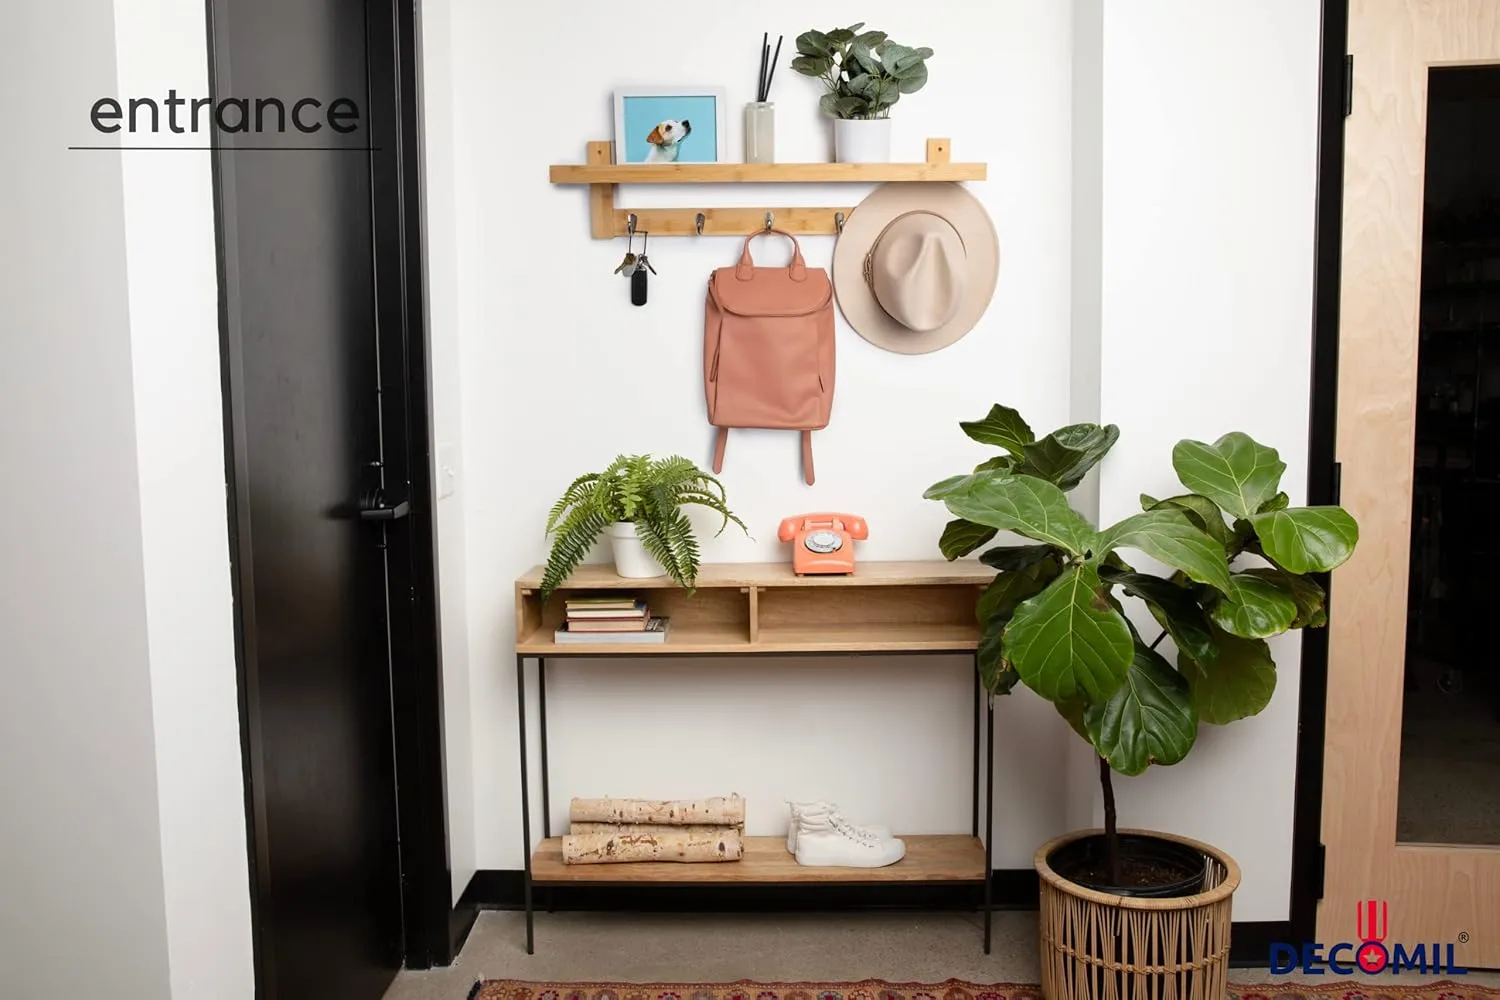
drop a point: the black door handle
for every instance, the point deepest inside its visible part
(373, 507)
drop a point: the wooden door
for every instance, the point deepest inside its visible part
(1435, 893)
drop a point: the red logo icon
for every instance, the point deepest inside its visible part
(1373, 921)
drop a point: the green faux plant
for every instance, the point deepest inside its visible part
(648, 492)
(865, 73)
(1241, 565)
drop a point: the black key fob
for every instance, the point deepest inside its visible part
(638, 287)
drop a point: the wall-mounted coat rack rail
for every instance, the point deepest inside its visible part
(603, 175)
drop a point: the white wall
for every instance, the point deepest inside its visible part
(1152, 172)
(120, 767)
(81, 860)
(1210, 162)
(174, 339)
(560, 372)
(435, 77)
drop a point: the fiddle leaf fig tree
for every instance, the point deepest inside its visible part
(1240, 565)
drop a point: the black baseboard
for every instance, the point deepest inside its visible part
(1010, 889)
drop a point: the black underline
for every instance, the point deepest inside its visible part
(331, 149)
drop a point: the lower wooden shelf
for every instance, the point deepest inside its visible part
(929, 858)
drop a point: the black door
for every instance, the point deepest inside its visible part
(330, 527)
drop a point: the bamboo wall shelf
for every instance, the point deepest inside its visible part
(603, 175)
(747, 609)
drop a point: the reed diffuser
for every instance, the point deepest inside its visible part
(760, 114)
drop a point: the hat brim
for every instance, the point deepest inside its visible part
(981, 263)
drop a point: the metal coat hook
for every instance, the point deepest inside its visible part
(770, 219)
(838, 222)
(630, 224)
(699, 221)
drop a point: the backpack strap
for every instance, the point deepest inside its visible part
(720, 441)
(807, 462)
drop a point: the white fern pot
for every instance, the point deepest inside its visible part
(632, 561)
(862, 140)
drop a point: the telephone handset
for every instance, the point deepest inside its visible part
(823, 543)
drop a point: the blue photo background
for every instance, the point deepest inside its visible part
(642, 114)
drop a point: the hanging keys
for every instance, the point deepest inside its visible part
(629, 265)
(638, 277)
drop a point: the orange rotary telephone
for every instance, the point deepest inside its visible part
(823, 543)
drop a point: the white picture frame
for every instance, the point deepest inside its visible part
(639, 111)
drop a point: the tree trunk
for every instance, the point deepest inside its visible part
(577, 829)
(718, 811)
(1111, 832)
(679, 845)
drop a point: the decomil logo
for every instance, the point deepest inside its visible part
(1371, 954)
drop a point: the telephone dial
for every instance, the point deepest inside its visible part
(823, 543)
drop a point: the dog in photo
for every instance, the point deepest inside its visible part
(665, 138)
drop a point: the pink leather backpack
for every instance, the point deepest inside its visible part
(768, 349)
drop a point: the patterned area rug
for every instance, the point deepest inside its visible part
(953, 989)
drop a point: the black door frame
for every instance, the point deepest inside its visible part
(1322, 463)
(400, 310)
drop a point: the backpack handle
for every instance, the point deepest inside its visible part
(745, 270)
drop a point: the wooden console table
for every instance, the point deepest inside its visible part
(741, 609)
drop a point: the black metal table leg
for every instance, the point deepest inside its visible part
(525, 793)
(974, 719)
(989, 814)
(541, 700)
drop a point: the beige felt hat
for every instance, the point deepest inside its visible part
(916, 266)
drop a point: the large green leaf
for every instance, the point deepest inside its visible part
(1202, 511)
(961, 537)
(1236, 472)
(1151, 719)
(1169, 536)
(1254, 608)
(1304, 591)
(996, 606)
(1306, 539)
(1173, 607)
(1068, 639)
(1012, 557)
(1002, 427)
(1023, 504)
(1066, 455)
(943, 488)
(1238, 684)
(1009, 589)
(1072, 710)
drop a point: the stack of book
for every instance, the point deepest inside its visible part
(610, 618)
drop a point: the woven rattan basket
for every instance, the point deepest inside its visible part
(1099, 946)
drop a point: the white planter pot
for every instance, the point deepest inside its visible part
(632, 561)
(862, 140)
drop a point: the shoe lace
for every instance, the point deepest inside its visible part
(851, 831)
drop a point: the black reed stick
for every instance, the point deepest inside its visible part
(765, 51)
(772, 74)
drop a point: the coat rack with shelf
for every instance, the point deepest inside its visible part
(603, 176)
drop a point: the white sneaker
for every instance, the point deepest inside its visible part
(798, 808)
(827, 840)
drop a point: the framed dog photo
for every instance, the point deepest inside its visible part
(669, 125)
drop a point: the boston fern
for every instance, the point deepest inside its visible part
(649, 492)
(1052, 618)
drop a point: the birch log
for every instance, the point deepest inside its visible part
(650, 828)
(717, 811)
(677, 845)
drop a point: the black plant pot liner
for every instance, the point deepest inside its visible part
(1135, 845)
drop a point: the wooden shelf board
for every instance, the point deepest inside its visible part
(763, 173)
(934, 572)
(835, 638)
(929, 858)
